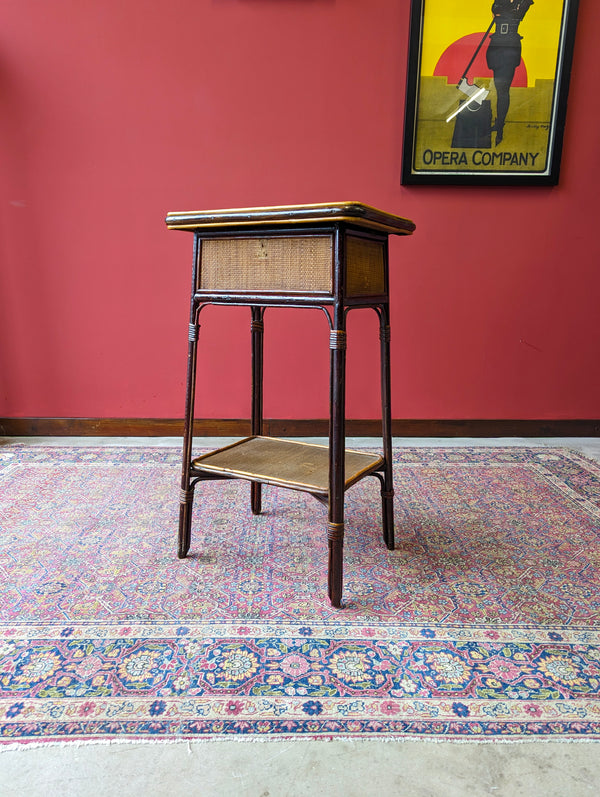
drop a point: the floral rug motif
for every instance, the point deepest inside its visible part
(483, 623)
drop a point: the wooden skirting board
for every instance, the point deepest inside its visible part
(214, 427)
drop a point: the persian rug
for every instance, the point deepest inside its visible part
(483, 623)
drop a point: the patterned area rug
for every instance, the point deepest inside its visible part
(484, 622)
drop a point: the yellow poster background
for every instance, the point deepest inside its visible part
(525, 143)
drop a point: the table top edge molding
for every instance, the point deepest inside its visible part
(355, 213)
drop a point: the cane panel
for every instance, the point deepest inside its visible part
(275, 264)
(364, 267)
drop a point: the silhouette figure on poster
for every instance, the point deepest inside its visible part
(503, 54)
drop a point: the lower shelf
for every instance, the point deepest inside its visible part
(285, 463)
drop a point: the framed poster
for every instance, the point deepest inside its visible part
(487, 91)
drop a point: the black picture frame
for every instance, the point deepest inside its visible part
(488, 142)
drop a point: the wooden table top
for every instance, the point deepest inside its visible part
(351, 212)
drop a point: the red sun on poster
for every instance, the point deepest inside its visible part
(455, 59)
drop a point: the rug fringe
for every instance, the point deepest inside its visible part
(247, 739)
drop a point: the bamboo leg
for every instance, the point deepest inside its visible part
(335, 527)
(185, 523)
(257, 327)
(387, 485)
(187, 492)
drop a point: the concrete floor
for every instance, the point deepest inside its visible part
(297, 768)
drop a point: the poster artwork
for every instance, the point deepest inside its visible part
(487, 93)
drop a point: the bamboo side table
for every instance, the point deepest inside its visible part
(328, 256)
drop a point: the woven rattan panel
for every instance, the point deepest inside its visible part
(285, 462)
(364, 270)
(274, 264)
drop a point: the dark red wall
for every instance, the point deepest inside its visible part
(113, 112)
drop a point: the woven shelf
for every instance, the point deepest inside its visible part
(285, 463)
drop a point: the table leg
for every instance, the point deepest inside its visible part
(387, 485)
(257, 329)
(187, 492)
(335, 527)
(185, 523)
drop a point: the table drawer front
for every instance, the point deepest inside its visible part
(365, 272)
(275, 264)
